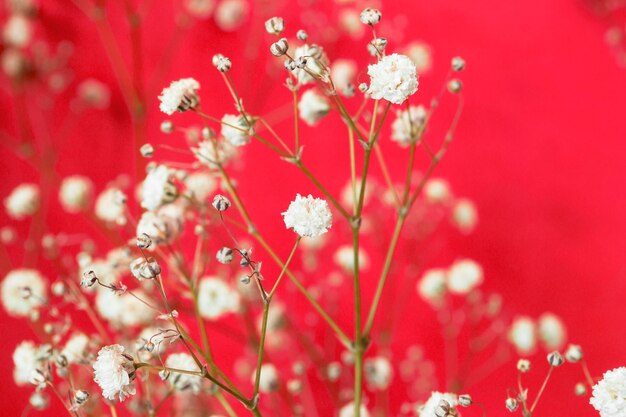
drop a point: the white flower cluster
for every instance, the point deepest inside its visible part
(430, 407)
(408, 124)
(23, 201)
(216, 298)
(114, 372)
(461, 278)
(158, 188)
(549, 330)
(393, 78)
(609, 394)
(23, 291)
(308, 216)
(180, 96)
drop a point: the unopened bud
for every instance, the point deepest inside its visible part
(222, 63)
(458, 63)
(455, 86)
(144, 241)
(224, 255)
(89, 278)
(302, 35)
(523, 365)
(555, 359)
(511, 404)
(363, 87)
(443, 408)
(167, 126)
(580, 389)
(280, 47)
(574, 353)
(147, 150)
(221, 203)
(370, 16)
(275, 25)
(465, 400)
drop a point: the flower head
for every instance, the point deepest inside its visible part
(216, 298)
(236, 129)
(75, 193)
(180, 96)
(308, 216)
(23, 201)
(114, 372)
(23, 290)
(408, 125)
(393, 78)
(26, 361)
(158, 189)
(464, 275)
(312, 107)
(429, 408)
(180, 381)
(609, 395)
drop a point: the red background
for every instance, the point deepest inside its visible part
(540, 149)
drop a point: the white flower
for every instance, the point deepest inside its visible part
(343, 72)
(348, 410)
(393, 78)
(211, 154)
(200, 185)
(609, 395)
(199, 8)
(23, 290)
(347, 195)
(463, 276)
(25, 359)
(552, 332)
(180, 381)
(94, 93)
(231, 14)
(110, 206)
(75, 193)
(437, 191)
(408, 124)
(523, 335)
(464, 215)
(75, 348)
(124, 310)
(216, 298)
(312, 107)
(378, 373)
(432, 287)
(236, 129)
(163, 225)
(268, 380)
(316, 63)
(181, 95)
(344, 258)
(308, 216)
(17, 31)
(158, 189)
(114, 372)
(23, 201)
(421, 55)
(428, 409)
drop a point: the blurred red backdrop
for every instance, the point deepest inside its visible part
(540, 149)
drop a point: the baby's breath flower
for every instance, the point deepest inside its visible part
(180, 96)
(275, 25)
(94, 93)
(145, 269)
(308, 216)
(224, 255)
(609, 395)
(23, 291)
(574, 353)
(432, 287)
(523, 365)
(343, 72)
(511, 404)
(221, 203)
(167, 126)
(393, 78)
(378, 373)
(370, 16)
(302, 35)
(23, 201)
(269, 381)
(147, 150)
(75, 193)
(200, 9)
(348, 410)
(313, 63)
(200, 185)
(163, 225)
(344, 258)
(312, 107)
(522, 335)
(236, 130)
(463, 276)
(26, 361)
(280, 47)
(216, 298)
(212, 153)
(222, 63)
(465, 400)
(180, 381)
(408, 125)
(158, 188)
(555, 359)
(437, 191)
(434, 401)
(464, 215)
(552, 332)
(76, 348)
(114, 372)
(458, 63)
(420, 53)
(110, 206)
(455, 86)
(39, 400)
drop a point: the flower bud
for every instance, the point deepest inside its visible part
(511, 404)
(221, 203)
(222, 63)
(147, 150)
(224, 255)
(555, 359)
(580, 389)
(363, 87)
(280, 47)
(455, 86)
(145, 269)
(89, 278)
(574, 353)
(275, 25)
(465, 400)
(370, 16)
(144, 241)
(302, 35)
(458, 63)
(523, 365)
(167, 126)
(443, 408)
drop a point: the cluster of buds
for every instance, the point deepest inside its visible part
(145, 268)
(222, 63)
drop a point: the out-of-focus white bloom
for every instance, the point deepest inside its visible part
(184, 382)
(163, 225)
(432, 287)
(523, 335)
(114, 372)
(428, 409)
(236, 129)
(408, 125)
(23, 290)
(464, 215)
(437, 191)
(370, 16)
(348, 410)
(23, 201)
(464, 275)
(393, 78)
(609, 395)
(344, 258)
(316, 63)
(552, 332)
(180, 96)
(308, 216)
(75, 193)
(26, 361)
(75, 348)
(111, 206)
(312, 107)
(17, 31)
(158, 188)
(268, 381)
(574, 353)
(421, 55)
(124, 310)
(343, 73)
(200, 9)
(216, 298)
(211, 154)
(378, 373)
(201, 185)
(94, 93)
(231, 14)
